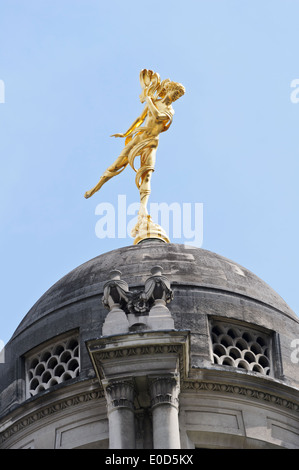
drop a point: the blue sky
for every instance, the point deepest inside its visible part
(71, 75)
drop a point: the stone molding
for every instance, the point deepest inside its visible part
(185, 387)
(101, 356)
(138, 351)
(49, 410)
(248, 392)
(164, 390)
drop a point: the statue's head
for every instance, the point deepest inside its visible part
(152, 86)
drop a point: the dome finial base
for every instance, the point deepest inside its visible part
(146, 228)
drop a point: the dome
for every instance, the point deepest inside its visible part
(184, 265)
(221, 345)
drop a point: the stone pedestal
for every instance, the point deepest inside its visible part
(160, 317)
(146, 229)
(116, 321)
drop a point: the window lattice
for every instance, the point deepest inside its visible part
(55, 364)
(242, 348)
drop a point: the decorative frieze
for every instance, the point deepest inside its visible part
(195, 386)
(138, 351)
(49, 410)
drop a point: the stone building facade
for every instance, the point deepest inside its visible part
(155, 346)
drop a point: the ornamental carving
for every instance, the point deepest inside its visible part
(51, 409)
(157, 287)
(120, 394)
(186, 386)
(116, 292)
(139, 350)
(164, 390)
(241, 347)
(194, 386)
(54, 364)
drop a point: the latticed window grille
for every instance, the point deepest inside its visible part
(241, 347)
(54, 364)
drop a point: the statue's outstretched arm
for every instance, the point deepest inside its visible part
(135, 124)
(121, 162)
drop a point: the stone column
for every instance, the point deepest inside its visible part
(120, 402)
(164, 391)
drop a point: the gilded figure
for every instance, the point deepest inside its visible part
(142, 140)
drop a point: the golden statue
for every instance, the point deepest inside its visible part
(143, 142)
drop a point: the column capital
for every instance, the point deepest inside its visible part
(120, 394)
(164, 390)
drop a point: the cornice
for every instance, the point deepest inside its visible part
(49, 410)
(242, 391)
(187, 386)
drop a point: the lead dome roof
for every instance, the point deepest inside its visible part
(183, 265)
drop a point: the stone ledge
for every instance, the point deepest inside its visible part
(144, 353)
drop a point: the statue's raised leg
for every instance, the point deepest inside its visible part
(115, 169)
